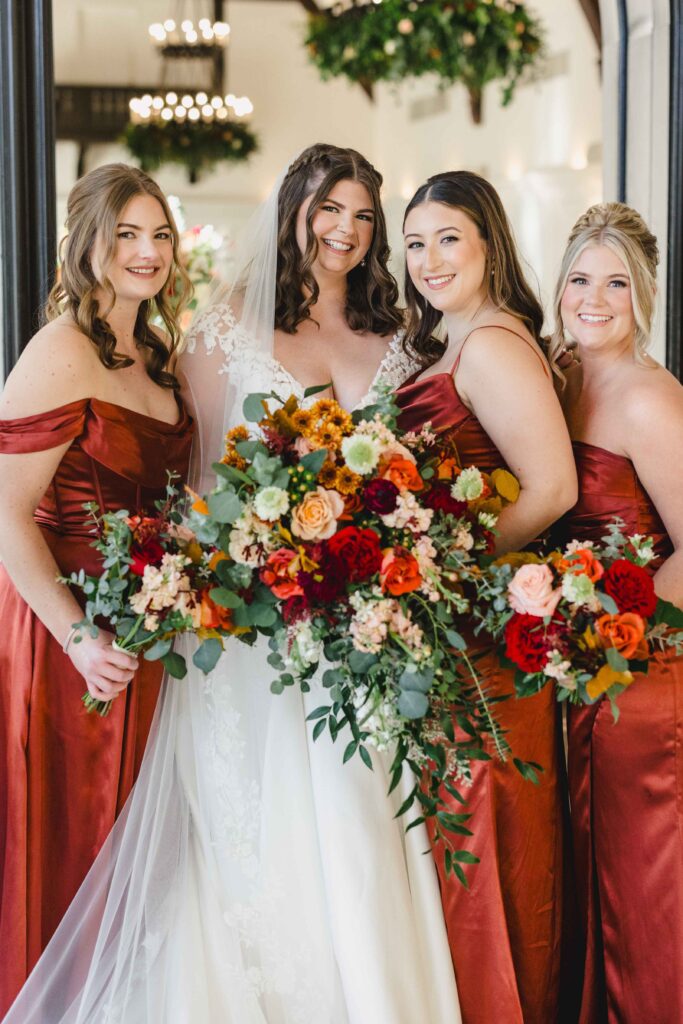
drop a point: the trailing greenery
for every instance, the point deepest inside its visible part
(197, 145)
(470, 41)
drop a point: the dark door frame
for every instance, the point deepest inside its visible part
(674, 284)
(27, 169)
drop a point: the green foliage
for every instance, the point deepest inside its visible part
(470, 41)
(198, 146)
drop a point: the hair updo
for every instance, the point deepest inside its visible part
(621, 229)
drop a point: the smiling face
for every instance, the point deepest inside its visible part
(597, 305)
(446, 257)
(343, 225)
(143, 251)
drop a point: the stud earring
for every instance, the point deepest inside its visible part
(364, 262)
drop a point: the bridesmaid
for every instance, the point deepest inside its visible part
(90, 413)
(625, 414)
(488, 390)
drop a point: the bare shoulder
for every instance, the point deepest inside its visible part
(652, 403)
(504, 346)
(59, 365)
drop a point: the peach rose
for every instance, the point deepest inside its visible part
(531, 591)
(582, 562)
(626, 632)
(399, 572)
(402, 473)
(315, 517)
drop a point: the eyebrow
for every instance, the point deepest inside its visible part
(329, 199)
(137, 227)
(611, 277)
(439, 232)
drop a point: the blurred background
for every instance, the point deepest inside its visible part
(560, 103)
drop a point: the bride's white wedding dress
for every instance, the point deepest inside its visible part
(253, 878)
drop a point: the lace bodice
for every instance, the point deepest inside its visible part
(251, 368)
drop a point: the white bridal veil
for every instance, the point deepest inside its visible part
(251, 878)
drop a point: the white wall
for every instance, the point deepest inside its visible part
(536, 151)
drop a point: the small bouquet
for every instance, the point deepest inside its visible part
(155, 583)
(348, 544)
(585, 618)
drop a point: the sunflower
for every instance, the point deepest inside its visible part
(232, 456)
(302, 420)
(347, 482)
(327, 477)
(326, 436)
(341, 419)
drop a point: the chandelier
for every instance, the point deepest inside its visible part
(182, 122)
(187, 39)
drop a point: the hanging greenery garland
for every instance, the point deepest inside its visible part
(198, 146)
(470, 41)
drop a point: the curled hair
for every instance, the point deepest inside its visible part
(621, 229)
(94, 207)
(507, 287)
(372, 292)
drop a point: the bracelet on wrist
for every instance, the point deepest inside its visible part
(69, 637)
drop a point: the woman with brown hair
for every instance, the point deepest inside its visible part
(256, 878)
(90, 413)
(625, 415)
(487, 390)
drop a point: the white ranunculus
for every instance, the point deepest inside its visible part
(270, 503)
(361, 453)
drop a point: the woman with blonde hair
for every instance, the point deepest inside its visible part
(625, 416)
(487, 391)
(90, 413)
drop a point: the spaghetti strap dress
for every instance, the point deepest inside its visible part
(505, 931)
(626, 789)
(65, 774)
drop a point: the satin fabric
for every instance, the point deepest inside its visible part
(626, 781)
(505, 933)
(64, 774)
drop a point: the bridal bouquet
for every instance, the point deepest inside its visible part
(585, 618)
(347, 543)
(155, 583)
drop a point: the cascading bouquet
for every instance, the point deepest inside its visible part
(155, 584)
(585, 618)
(348, 543)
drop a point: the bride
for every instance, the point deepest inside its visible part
(252, 878)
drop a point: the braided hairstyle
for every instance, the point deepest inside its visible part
(372, 293)
(620, 228)
(93, 208)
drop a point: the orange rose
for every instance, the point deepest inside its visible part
(582, 562)
(213, 616)
(625, 632)
(402, 473)
(276, 574)
(399, 572)
(352, 504)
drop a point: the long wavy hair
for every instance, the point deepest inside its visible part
(94, 209)
(372, 292)
(621, 229)
(507, 287)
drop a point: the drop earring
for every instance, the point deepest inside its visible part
(364, 262)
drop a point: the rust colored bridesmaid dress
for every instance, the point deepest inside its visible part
(64, 774)
(505, 932)
(626, 788)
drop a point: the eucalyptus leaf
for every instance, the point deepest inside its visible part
(360, 661)
(314, 461)
(252, 408)
(207, 654)
(420, 681)
(158, 650)
(225, 506)
(225, 598)
(174, 665)
(616, 660)
(412, 704)
(248, 449)
(456, 640)
(608, 603)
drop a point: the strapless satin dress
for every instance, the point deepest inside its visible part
(505, 933)
(64, 774)
(626, 788)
